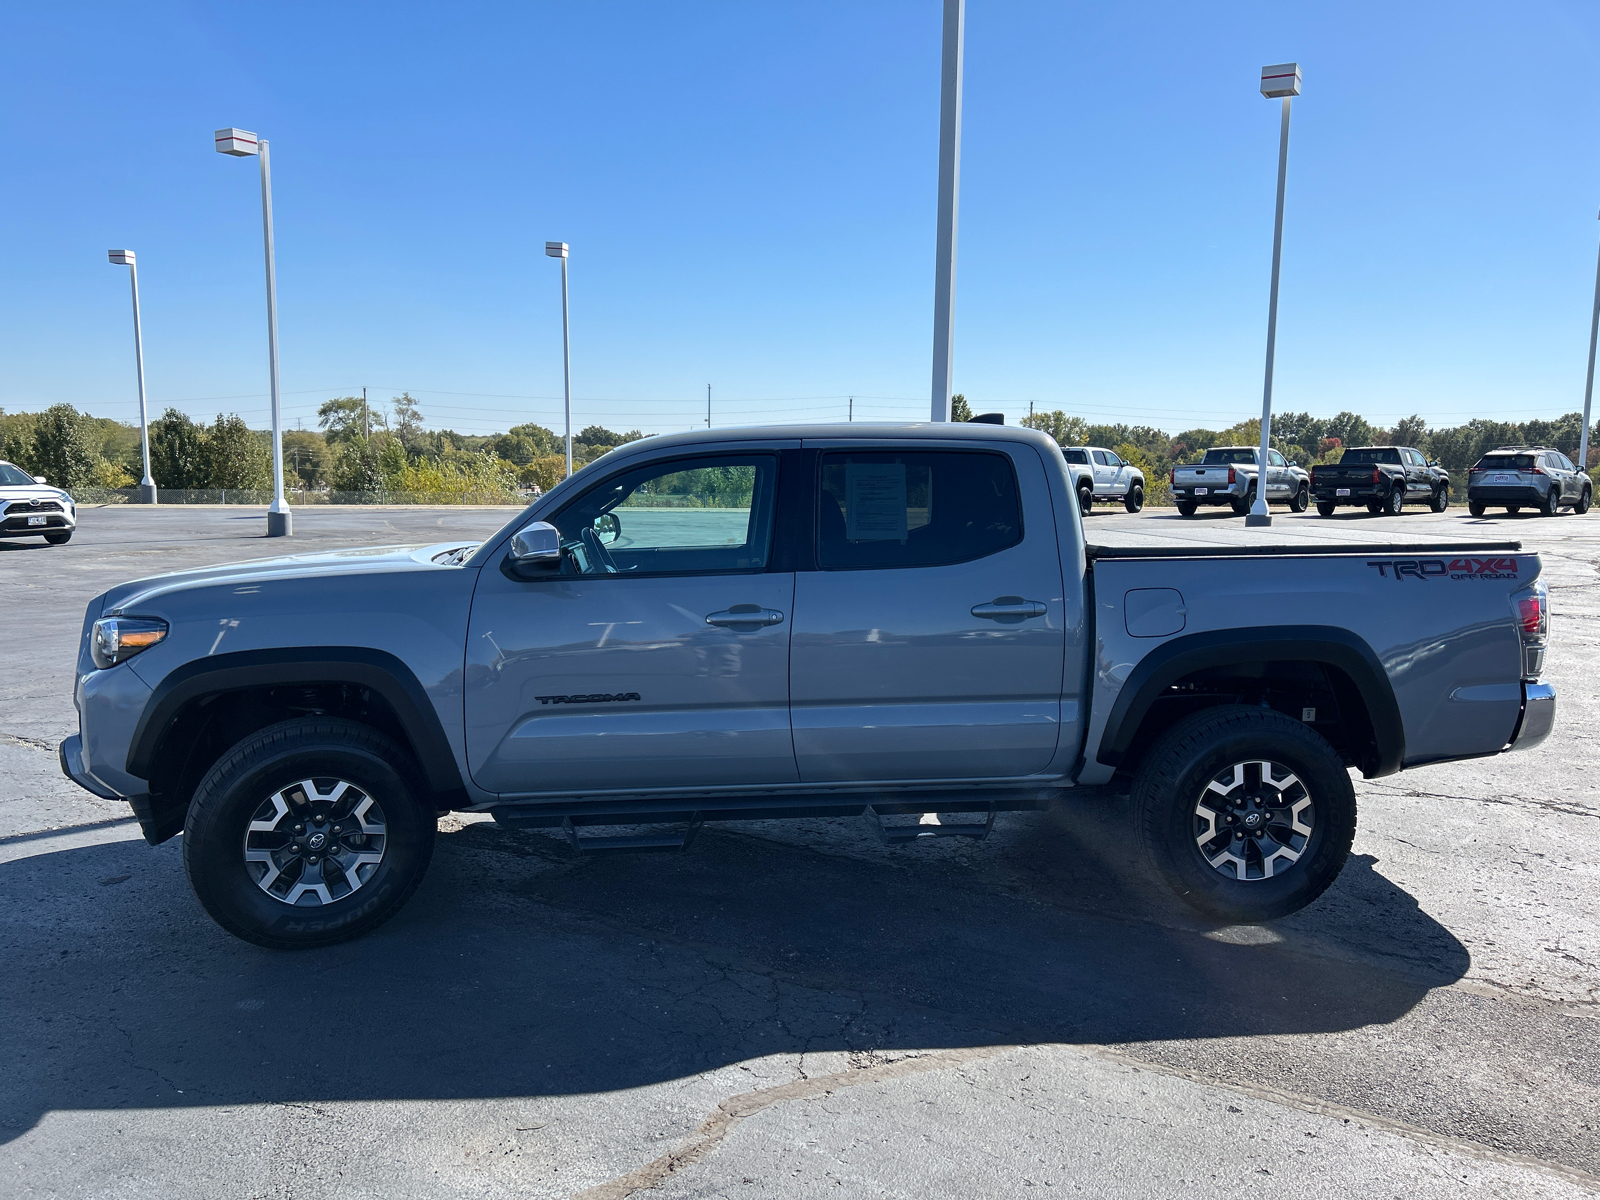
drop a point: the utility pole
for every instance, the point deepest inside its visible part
(366, 416)
(944, 270)
(708, 406)
(852, 415)
(1030, 414)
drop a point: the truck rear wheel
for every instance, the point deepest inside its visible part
(1326, 508)
(308, 833)
(1246, 814)
(1187, 508)
(1394, 501)
(1243, 507)
(1085, 500)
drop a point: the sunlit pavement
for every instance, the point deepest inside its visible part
(795, 1009)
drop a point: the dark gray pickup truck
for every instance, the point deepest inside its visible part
(790, 622)
(1382, 478)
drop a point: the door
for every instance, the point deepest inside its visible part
(657, 658)
(1280, 477)
(1571, 485)
(928, 641)
(1105, 473)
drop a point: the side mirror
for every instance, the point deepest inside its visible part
(535, 551)
(608, 528)
(1431, 463)
(40, 479)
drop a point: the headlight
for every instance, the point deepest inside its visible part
(117, 639)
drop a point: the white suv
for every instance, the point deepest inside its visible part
(1100, 474)
(30, 507)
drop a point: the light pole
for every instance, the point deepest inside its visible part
(1588, 387)
(559, 250)
(242, 144)
(1283, 82)
(147, 485)
(944, 271)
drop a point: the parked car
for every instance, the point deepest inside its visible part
(1227, 475)
(30, 507)
(1103, 475)
(791, 622)
(1535, 477)
(1384, 478)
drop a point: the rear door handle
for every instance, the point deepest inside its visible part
(1014, 607)
(745, 614)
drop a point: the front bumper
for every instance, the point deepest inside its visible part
(17, 523)
(1538, 716)
(70, 752)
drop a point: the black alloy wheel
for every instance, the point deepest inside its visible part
(1245, 813)
(309, 832)
(1134, 500)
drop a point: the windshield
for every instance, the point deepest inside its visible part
(12, 477)
(1369, 456)
(1236, 455)
(1507, 462)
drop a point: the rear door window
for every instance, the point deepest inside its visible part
(1077, 456)
(915, 509)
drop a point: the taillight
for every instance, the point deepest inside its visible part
(1377, 476)
(1535, 471)
(1530, 606)
(1230, 474)
(1172, 477)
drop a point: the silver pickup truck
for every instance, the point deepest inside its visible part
(1227, 475)
(789, 622)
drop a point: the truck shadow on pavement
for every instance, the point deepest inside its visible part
(519, 971)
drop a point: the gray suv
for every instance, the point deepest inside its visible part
(30, 507)
(1528, 477)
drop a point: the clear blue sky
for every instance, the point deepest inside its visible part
(749, 192)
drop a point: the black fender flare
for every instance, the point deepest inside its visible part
(383, 673)
(1327, 644)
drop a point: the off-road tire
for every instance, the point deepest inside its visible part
(1187, 508)
(1174, 774)
(1085, 501)
(1326, 508)
(1440, 500)
(58, 539)
(1134, 500)
(1476, 509)
(271, 760)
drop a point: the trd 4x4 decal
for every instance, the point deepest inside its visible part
(1452, 568)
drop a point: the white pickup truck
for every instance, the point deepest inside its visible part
(1103, 475)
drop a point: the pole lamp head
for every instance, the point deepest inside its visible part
(1282, 81)
(556, 249)
(123, 258)
(238, 142)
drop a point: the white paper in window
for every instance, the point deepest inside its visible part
(875, 502)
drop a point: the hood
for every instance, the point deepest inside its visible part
(11, 493)
(364, 560)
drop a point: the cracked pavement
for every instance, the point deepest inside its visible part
(792, 1008)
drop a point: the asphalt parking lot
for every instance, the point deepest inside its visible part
(793, 1009)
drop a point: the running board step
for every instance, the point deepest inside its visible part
(897, 835)
(633, 843)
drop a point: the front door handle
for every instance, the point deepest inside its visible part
(745, 614)
(1014, 608)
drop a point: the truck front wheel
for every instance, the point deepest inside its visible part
(1134, 500)
(308, 832)
(1246, 814)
